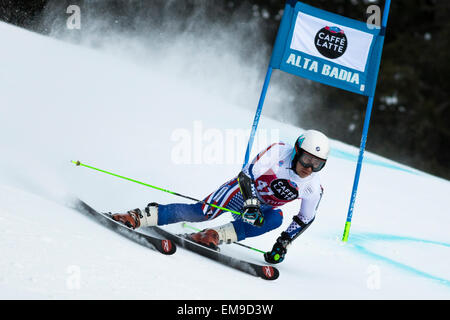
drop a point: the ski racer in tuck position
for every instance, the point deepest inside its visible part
(279, 174)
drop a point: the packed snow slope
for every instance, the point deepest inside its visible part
(60, 102)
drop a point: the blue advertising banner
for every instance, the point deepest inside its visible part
(328, 48)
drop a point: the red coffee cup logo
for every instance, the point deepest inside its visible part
(331, 42)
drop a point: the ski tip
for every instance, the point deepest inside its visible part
(76, 162)
(269, 273)
(168, 247)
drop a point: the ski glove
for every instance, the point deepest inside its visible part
(252, 213)
(279, 250)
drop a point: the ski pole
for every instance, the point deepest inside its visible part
(185, 225)
(78, 163)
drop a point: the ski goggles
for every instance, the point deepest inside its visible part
(309, 161)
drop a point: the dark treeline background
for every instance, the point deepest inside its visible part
(410, 119)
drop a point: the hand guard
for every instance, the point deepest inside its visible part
(252, 213)
(279, 250)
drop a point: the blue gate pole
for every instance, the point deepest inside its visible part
(364, 134)
(257, 115)
(358, 169)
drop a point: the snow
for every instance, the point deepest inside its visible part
(61, 102)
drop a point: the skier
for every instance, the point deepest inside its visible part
(279, 174)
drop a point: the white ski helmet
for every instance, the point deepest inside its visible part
(313, 142)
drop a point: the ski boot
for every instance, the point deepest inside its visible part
(137, 218)
(213, 237)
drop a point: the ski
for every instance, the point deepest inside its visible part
(262, 271)
(165, 246)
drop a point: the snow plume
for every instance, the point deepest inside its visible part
(198, 44)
